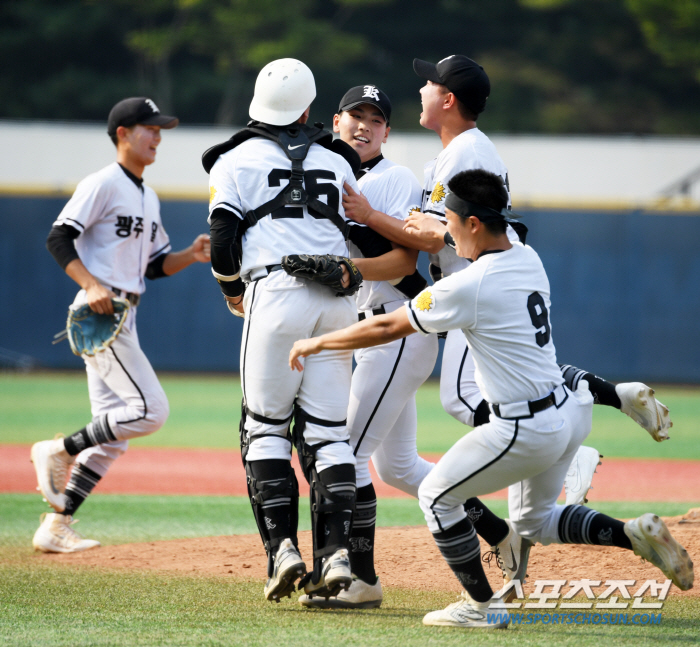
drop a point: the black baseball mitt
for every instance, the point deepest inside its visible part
(325, 269)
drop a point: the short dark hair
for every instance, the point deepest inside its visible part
(483, 188)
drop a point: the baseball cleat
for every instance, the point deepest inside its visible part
(51, 463)
(289, 567)
(580, 475)
(468, 614)
(335, 576)
(360, 595)
(512, 555)
(639, 403)
(652, 541)
(55, 535)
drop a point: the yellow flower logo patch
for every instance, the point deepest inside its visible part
(424, 301)
(212, 193)
(438, 194)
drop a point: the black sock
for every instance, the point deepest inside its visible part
(277, 511)
(581, 525)
(82, 481)
(603, 392)
(340, 481)
(489, 527)
(94, 433)
(460, 547)
(364, 522)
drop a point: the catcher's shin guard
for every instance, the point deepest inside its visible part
(330, 493)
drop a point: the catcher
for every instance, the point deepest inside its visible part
(108, 237)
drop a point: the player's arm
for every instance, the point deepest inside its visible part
(428, 229)
(198, 252)
(60, 245)
(373, 331)
(396, 264)
(358, 208)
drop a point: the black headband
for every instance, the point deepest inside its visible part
(465, 209)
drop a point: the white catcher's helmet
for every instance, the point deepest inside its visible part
(283, 90)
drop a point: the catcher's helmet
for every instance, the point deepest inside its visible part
(283, 90)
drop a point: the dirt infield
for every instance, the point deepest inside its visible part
(405, 557)
(219, 472)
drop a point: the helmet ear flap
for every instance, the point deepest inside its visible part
(284, 89)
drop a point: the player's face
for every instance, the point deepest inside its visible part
(462, 232)
(432, 98)
(141, 142)
(364, 128)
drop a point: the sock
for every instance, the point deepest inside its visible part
(460, 547)
(482, 414)
(277, 511)
(340, 481)
(362, 535)
(488, 526)
(82, 481)
(94, 433)
(581, 525)
(603, 392)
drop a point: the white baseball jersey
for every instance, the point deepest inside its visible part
(120, 228)
(469, 150)
(501, 303)
(234, 184)
(394, 190)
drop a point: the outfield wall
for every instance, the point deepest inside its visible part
(625, 289)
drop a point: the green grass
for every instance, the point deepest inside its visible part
(205, 410)
(53, 605)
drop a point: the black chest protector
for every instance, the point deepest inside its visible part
(295, 141)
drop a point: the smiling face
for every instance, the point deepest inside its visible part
(364, 128)
(138, 143)
(463, 231)
(432, 96)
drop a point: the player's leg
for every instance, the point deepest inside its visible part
(322, 440)
(632, 398)
(536, 516)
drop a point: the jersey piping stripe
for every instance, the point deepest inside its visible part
(381, 397)
(75, 222)
(160, 251)
(230, 206)
(145, 406)
(481, 469)
(459, 381)
(245, 347)
(416, 320)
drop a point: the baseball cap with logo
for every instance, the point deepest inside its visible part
(366, 94)
(137, 110)
(463, 77)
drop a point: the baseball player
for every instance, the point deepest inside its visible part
(501, 303)
(382, 419)
(108, 237)
(455, 93)
(266, 184)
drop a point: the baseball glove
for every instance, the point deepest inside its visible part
(90, 333)
(325, 269)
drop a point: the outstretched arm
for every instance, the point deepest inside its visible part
(373, 331)
(198, 252)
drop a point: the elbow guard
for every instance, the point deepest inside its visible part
(226, 251)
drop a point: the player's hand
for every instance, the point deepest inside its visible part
(303, 348)
(201, 248)
(356, 206)
(99, 299)
(235, 303)
(424, 226)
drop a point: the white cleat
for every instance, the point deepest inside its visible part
(360, 595)
(652, 541)
(289, 567)
(335, 576)
(468, 614)
(51, 463)
(580, 475)
(639, 403)
(512, 555)
(55, 535)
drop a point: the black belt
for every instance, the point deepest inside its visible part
(535, 406)
(131, 297)
(270, 269)
(381, 310)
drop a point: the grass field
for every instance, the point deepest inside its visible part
(50, 604)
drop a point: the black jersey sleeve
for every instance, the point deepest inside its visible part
(60, 244)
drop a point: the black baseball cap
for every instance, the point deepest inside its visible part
(463, 77)
(137, 110)
(366, 94)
